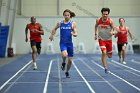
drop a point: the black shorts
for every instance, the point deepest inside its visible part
(37, 44)
(120, 46)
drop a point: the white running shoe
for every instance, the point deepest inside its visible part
(124, 62)
(35, 66)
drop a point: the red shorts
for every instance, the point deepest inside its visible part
(106, 45)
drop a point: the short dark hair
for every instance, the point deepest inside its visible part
(121, 18)
(105, 9)
(32, 17)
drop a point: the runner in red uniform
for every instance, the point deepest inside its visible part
(104, 29)
(35, 38)
(122, 35)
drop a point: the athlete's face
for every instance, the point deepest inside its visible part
(122, 21)
(67, 16)
(33, 20)
(105, 15)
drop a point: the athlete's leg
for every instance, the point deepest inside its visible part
(119, 54)
(124, 54)
(68, 66)
(104, 53)
(34, 51)
(64, 54)
(38, 46)
(119, 51)
(109, 48)
(70, 55)
(104, 61)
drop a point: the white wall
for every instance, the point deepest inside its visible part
(80, 7)
(39, 7)
(85, 27)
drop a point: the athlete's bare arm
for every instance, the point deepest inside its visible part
(117, 31)
(113, 31)
(96, 30)
(130, 34)
(74, 30)
(26, 33)
(41, 30)
(54, 31)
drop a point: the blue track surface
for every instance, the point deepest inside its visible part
(87, 75)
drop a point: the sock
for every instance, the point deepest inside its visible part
(34, 63)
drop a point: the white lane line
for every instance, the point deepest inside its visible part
(12, 84)
(89, 86)
(134, 61)
(101, 77)
(118, 77)
(34, 71)
(47, 78)
(59, 76)
(125, 66)
(130, 71)
(14, 75)
(54, 82)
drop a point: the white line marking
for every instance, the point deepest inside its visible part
(59, 76)
(98, 81)
(47, 78)
(134, 61)
(14, 75)
(118, 77)
(12, 84)
(89, 86)
(124, 69)
(101, 77)
(125, 66)
(34, 71)
(54, 82)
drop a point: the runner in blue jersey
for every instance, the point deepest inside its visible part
(67, 30)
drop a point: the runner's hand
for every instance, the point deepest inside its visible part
(34, 30)
(74, 34)
(51, 38)
(96, 36)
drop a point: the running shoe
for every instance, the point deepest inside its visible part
(67, 75)
(124, 62)
(35, 68)
(63, 66)
(106, 70)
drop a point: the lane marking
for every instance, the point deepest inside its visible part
(134, 61)
(125, 66)
(118, 76)
(47, 78)
(97, 81)
(9, 87)
(59, 76)
(101, 77)
(15, 75)
(89, 86)
(124, 69)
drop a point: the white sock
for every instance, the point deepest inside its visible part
(34, 63)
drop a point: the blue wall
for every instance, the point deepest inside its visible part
(4, 30)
